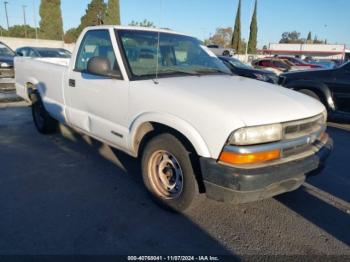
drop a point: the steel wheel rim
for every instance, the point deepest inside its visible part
(165, 175)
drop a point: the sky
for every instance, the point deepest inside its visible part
(328, 19)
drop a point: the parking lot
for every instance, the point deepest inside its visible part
(68, 194)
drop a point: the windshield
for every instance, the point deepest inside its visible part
(297, 61)
(288, 62)
(177, 55)
(346, 65)
(5, 51)
(239, 64)
(54, 53)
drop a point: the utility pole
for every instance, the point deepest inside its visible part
(25, 20)
(35, 24)
(7, 18)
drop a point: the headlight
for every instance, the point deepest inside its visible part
(261, 77)
(256, 135)
(4, 65)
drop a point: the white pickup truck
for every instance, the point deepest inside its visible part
(164, 97)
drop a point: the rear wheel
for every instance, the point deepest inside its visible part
(310, 93)
(44, 123)
(168, 173)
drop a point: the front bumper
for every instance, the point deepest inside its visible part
(237, 185)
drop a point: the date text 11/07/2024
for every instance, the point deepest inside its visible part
(173, 258)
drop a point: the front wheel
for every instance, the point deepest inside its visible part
(226, 53)
(168, 173)
(44, 123)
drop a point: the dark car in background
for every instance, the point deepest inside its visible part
(28, 51)
(330, 86)
(325, 63)
(7, 73)
(241, 69)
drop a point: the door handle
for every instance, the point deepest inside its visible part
(71, 82)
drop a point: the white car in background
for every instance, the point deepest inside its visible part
(221, 51)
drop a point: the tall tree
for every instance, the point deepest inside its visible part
(94, 15)
(113, 13)
(309, 37)
(253, 37)
(51, 25)
(236, 37)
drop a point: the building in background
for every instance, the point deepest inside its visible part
(321, 51)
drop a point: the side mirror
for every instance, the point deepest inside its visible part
(19, 53)
(100, 66)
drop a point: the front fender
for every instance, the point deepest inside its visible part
(173, 122)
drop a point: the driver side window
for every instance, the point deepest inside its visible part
(96, 43)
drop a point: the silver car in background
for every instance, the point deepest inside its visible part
(221, 51)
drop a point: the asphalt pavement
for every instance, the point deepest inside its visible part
(67, 194)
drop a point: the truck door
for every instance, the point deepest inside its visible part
(97, 104)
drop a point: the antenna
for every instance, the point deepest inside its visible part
(158, 44)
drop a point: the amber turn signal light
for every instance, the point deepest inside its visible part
(252, 158)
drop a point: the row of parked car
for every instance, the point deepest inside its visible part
(7, 56)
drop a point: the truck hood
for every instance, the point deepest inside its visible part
(241, 99)
(310, 72)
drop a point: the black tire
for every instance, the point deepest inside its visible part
(226, 53)
(169, 144)
(310, 93)
(43, 122)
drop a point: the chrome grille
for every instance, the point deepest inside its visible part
(7, 73)
(296, 129)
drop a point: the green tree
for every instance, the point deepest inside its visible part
(144, 23)
(222, 37)
(20, 31)
(291, 38)
(309, 38)
(51, 25)
(71, 36)
(317, 41)
(253, 37)
(3, 31)
(236, 38)
(94, 15)
(113, 13)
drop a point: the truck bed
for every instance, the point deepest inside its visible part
(48, 76)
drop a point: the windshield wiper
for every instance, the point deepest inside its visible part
(179, 71)
(213, 70)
